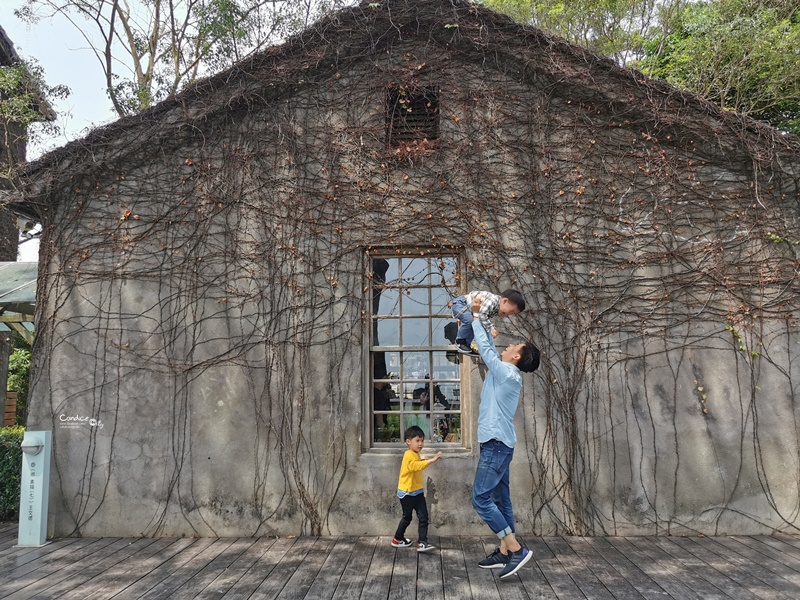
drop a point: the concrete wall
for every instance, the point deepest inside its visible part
(200, 353)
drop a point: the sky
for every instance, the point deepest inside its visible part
(64, 55)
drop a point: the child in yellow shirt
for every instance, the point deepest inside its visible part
(411, 491)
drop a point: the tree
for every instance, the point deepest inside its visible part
(24, 111)
(740, 54)
(151, 49)
(615, 28)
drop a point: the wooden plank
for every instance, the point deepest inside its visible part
(619, 587)
(403, 584)
(33, 565)
(553, 571)
(637, 578)
(16, 557)
(582, 575)
(702, 569)
(786, 538)
(346, 568)
(201, 579)
(122, 551)
(230, 576)
(327, 580)
(533, 579)
(664, 573)
(303, 577)
(10, 412)
(775, 586)
(78, 570)
(147, 553)
(259, 570)
(8, 531)
(788, 558)
(788, 550)
(188, 563)
(454, 569)
(780, 571)
(708, 566)
(355, 573)
(482, 582)
(681, 571)
(283, 571)
(485, 582)
(430, 578)
(379, 574)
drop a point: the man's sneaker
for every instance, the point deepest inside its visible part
(496, 560)
(404, 543)
(424, 547)
(516, 561)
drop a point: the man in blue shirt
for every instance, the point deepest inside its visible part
(499, 399)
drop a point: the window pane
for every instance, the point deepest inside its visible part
(415, 271)
(393, 365)
(386, 333)
(444, 272)
(421, 386)
(385, 301)
(408, 394)
(415, 332)
(382, 395)
(440, 332)
(444, 367)
(416, 365)
(385, 270)
(420, 420)
(446, 428)
(439, 300)
(386, 428)
(420, 398)
(415, 302)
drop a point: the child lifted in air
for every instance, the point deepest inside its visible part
(508, 303)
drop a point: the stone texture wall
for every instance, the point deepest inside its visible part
(200, 352)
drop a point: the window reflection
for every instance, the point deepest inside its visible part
(420, 386)
(415, 332)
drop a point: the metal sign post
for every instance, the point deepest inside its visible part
(35, 488)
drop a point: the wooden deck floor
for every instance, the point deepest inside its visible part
(368, 568)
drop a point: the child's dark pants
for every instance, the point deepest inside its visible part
(409, 504)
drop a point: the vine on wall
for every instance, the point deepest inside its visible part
(216, 244)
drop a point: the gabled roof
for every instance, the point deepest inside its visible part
(371, 28)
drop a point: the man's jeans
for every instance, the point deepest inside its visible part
(463, 313)
(490, 493)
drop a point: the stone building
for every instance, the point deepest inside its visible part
(243, 291)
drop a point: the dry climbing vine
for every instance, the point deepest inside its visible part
(217, 245)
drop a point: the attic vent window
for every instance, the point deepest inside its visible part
(412, 115)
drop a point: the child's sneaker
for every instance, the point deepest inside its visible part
(404, 543)
(462, 348)
(424, 547)
(496, 560)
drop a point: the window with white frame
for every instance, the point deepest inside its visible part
(414, 371)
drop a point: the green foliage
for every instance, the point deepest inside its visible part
(23, 98)
(151, 49)
(739, 54)
(615, 28)
(10, 471)
(19, 366)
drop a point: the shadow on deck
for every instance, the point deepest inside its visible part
(368, 568)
